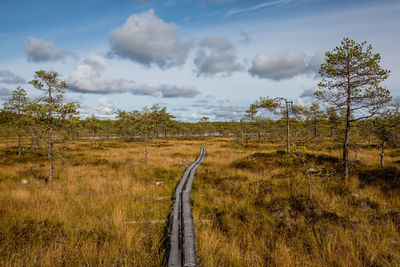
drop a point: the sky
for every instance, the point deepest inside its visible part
(197, 58)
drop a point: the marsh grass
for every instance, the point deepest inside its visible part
(84, 216)
(250, 203)
(252, 208)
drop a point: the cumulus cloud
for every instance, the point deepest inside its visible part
(206, 100)
(245, 38)
(39, 50)
(87, 78)
(191, 117)
(105, 109)
(284, 66)
(217, 55)
(306, 98)
(278, 67)
(396, 100)
(225, 111)
(180, 109)
(170, 91)
(307, 93)
(314, 63)
(8, 77)
(148, 40)
(4, 94)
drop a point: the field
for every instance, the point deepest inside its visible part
(251, 205)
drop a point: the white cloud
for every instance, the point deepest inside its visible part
(105, 109)
(4, 94)
(191, 117)
(180, 109)
(278, 67)
(217, 55)
(170, 91)
(8, 77)
(206, 100)
(314, 63)
(308, 93)
(225, 111)
(148, 40)
(284, 66)
(396, 100)
(87, 78)
(39, 50)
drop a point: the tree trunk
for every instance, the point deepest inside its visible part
(52, 163)
(32, 140)
(145, 139)
(346, 151)
(346, 137)
(94, 135)
(315, 133)
(347, 131)
(259, 137)
(19, 142)
(49, 117)
(287, 129)
(383, 152)
(154, 132)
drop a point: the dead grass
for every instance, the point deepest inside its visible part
(251, 206)
(259, 213)
(82, 217)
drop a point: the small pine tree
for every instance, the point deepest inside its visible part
(49, 82)
(18, 105)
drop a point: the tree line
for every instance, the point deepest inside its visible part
(350, 105)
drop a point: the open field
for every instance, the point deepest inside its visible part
(251, 205)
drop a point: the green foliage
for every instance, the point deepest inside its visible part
(351, 76)
(351, 84)
(18, 106)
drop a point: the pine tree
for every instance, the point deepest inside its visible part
(49, 82)
(351, 83)
(18, 105)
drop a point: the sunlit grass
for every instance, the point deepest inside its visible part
(99, 210)
(251, 205)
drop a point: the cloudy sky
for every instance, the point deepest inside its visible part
(198, 58)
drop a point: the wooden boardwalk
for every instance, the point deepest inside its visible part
(181, 248)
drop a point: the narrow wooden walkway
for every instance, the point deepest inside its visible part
(181, 249)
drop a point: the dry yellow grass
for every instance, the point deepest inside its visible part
(84, 217)
(263, 216)
(105, 208)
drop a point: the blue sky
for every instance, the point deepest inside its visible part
(205, 57)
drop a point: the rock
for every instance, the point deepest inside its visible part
(24, 181)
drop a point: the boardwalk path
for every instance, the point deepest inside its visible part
(181, 250)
